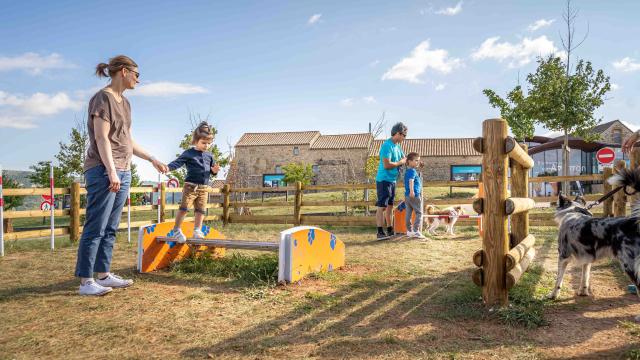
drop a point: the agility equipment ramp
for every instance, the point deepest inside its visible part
(301, 250)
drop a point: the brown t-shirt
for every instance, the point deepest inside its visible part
(105, 106)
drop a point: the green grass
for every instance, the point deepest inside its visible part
(244, 269)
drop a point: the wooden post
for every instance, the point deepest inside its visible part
(226, 191)
(519, 189)
(620, 198)
(607, 205)
(495, 242)
(297, 214)
(74, 226)
(163, 201)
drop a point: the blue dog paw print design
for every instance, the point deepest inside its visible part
(149, 229)
(171, 243)
(206, 230)
(333, 241)
(311, 235)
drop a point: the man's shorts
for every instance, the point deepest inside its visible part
(386, 193)
(196, 194)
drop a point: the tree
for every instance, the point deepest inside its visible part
(187, 141)
(371, 167)
(298, 172)
(136, 198)
(10, 202)
(72, 155)
(515, 110)
(567, 103)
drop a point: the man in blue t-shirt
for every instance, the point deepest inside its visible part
(391, 158)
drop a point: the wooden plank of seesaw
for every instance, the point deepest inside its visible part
(228, 243)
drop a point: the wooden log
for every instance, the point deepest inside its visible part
(478, 145)
(16, 214)
(478, 257)
(607, 205)
(495, 241)
(516, 273)
(517, 205)
(213, 218)
(262, 219)
(541, 199)
(226, 191)
(516, 153)
(33, 234)
(515, 255)
(139, 208)
(262, 189)
(478, 277)
(539, 179)
(141, 189)
(620, 198)
(298, 203)
(337, 203)
(74, 223)
(449, 201)
(239, 204)
(163, 201)
(34, 191)
(478, 205)
(519, 189)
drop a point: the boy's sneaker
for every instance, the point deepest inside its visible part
(411, 234)
(178, 236)
(114, 281)
(382, 236)
(93, 289)
(419, 235)
(198, 234)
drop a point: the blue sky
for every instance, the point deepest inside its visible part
(332, 66)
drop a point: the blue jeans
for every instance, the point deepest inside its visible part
(102, 219)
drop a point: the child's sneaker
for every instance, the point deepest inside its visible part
(382, 236)
(419, 235)
(93, 289)
(411, 234)
(114, 281)
(198, 234)
(178, 236)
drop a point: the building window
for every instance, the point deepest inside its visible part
(278, 169)
(617, 136)
(465, 172)
(296, 150)
(315, 168)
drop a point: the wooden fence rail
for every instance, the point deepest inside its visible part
(300, 206)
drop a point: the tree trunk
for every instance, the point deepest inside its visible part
(8, 225)
(565, 163)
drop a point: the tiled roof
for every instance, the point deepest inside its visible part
(432, 147)
(278, 138)
(346, 141)
(603, 127)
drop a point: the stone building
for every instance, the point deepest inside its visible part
(337, 159)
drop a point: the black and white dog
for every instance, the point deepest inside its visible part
(585, 239)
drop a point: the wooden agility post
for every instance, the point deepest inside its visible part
(494, 276)
(620, 198)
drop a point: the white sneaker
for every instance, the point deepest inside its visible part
(411, 234)
(114, 281)
(198, 234)
(419, 235)
(92, 288)
(178, 236)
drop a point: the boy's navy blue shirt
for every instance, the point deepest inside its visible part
(417, 182)
(198, 165)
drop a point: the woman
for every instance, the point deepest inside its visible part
(108, 175)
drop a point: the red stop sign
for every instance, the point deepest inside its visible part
(605, 155)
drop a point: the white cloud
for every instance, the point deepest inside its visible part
(369, 99)
(517, 54)
(627, 65)
(374, 63)
(421, 59)
(21, 112)
(347, 102)
(539, 24)
(440, 86)
(314, 19)
(34, 63)
(614, 86)
(450, 11)
(166, 88)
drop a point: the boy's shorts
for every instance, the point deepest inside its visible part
(196, 194)
(386, 191)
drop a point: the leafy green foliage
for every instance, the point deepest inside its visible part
(371, 167)
(298, 172)
(515, 110)
(567, 102)
(262, 269)
(11, 202)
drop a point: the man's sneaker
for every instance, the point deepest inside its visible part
(382, 236)
(92, 288)
(419, 235)
(114, 281)
(198, 234)
(178, 236)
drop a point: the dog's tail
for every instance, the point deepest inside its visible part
(630, 179)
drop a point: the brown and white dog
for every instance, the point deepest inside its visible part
(448, 219)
